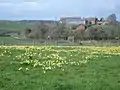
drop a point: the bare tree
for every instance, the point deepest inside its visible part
(59, 31)
(27, 32)
(111, 18)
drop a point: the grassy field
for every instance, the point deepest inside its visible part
(13, 26)
(8, 40)
(59, 68)
(14, 41)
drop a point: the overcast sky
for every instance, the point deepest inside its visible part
(53, 9)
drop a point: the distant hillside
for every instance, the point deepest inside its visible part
(18, 25)
(38, 21)
(11, 26)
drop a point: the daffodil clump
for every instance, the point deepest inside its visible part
(53, 58)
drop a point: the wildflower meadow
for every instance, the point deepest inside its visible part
(59, 68)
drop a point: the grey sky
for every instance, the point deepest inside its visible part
(51, 9)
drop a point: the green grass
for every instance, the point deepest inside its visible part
(8, 40)
(13, 41)
(13, 26)
(59, 68)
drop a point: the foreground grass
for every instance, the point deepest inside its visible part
(59, 68)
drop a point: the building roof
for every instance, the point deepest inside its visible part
(90, 18)
(80, 25)
(71, 18)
